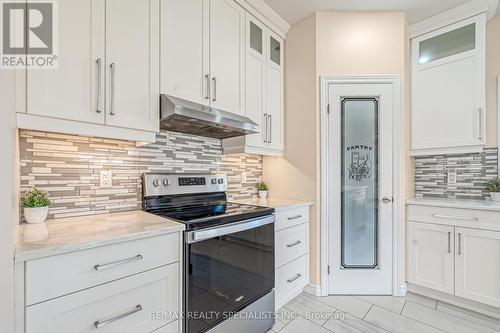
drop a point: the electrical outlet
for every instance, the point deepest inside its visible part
(452, 177)
(243, 177)
(106, 178)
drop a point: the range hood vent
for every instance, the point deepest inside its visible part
(179, 115)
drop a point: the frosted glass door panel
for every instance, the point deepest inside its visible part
(450, 43)
(359, 182)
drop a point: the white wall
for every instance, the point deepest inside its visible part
(8, 197)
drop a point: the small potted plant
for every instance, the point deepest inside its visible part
(263, 190)
(493, 186)
(35, 203)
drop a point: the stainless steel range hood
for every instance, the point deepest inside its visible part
(183, 116)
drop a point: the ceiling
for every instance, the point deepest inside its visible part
(295, 10)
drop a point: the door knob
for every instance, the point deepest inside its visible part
(386, 200)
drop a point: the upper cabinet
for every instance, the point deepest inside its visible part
(448, 88)
(263, 92)
(107, 80)
(203, 52)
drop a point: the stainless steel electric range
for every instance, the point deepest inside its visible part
(228, 252)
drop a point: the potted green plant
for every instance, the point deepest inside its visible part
(263, 190)
(35, 203)
(493, 186)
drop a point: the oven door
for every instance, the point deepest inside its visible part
(227, 268)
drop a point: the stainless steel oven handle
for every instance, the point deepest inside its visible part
(197, 236)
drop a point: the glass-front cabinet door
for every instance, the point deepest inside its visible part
(448, 88)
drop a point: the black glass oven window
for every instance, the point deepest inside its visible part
(227, 273)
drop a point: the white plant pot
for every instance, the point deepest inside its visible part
(36, 215)
(262, 194)
(495, 196)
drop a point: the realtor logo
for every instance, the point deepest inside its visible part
(28, 34)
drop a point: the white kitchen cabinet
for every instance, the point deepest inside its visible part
(448, 88)
(185, 69)
(263, 92)
(431, 256)
(107, 80)
(203, 52)
(132, 63)
(227, 55)
(75, 90)
(477, 265)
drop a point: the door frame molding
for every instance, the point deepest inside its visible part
(398, 230)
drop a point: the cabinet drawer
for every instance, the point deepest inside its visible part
(472, 218)
(174, 327)
(291, 279)
(290, 217)
(121, 306)
(59, 275)
(291, 243)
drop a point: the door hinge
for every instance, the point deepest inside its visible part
(328, 269)
(328, 108)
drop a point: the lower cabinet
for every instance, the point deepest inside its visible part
(464, 262)
(431, 256)
(104, 289)
(292, 253)
(477, 265)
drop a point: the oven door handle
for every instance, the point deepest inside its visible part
(198, 236)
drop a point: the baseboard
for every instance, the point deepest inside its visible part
(313, 289)
(455, 300)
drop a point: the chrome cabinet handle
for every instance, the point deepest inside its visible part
(449, 217)
(112, 70)
(294, 278)
(480, 124)
(294, 217)
(459, 244)
(100, 267)
(214, 81)
(98, 96)
(270, 128)
(293, 244)
(207, 86)
(104, 322)
(265, 127)
(449, 241)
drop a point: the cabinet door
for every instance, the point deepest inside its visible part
(430, 257)
(184, 50)
(74, 90)
(275, 92)
(132, 52)
(477, 265)
(227, 55)
(255, 78)
(448, 89)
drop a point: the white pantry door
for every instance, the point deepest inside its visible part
(360, 188)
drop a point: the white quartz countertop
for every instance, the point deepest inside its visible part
(276, 203)
(450, 203)
(78, 233)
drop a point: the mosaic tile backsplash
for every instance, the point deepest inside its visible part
(431, 175)
(68, 167)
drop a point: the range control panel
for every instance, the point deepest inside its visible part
(157, 184)
(188, 181)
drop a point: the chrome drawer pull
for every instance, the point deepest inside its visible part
(104, 322)
(295, 217)
(293, 244)
(100, 267)
(439, 216)
(294, 278)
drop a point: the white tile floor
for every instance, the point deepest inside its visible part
(378, 314)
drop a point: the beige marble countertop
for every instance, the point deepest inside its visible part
(78, 233)
(455, 203)
(276, 203)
